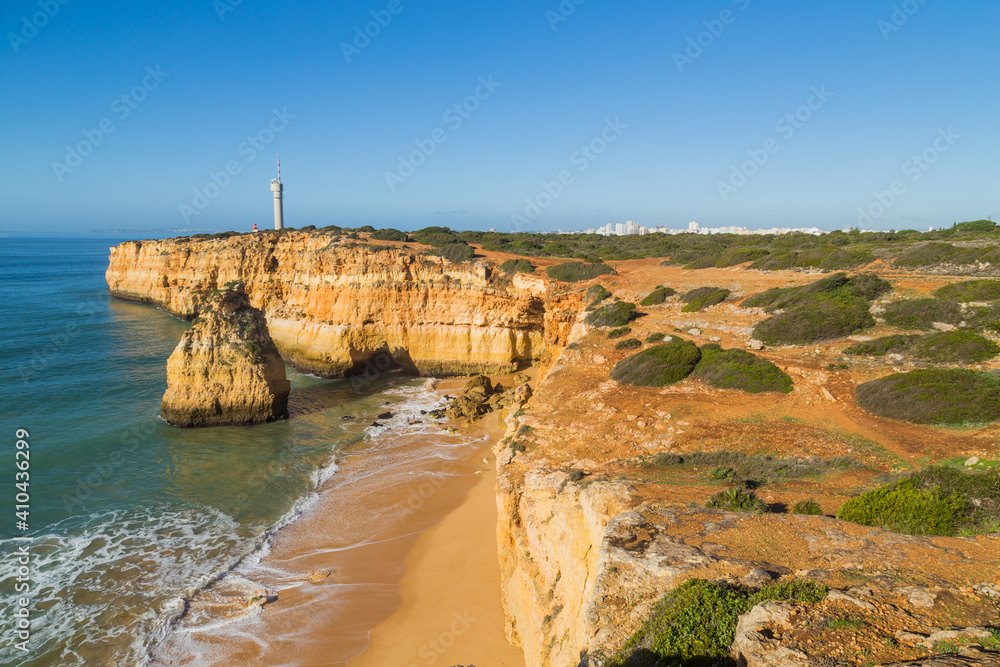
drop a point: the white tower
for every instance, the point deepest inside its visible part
(276, 188)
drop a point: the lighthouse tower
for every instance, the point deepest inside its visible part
(276, 188)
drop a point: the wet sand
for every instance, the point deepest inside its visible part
(450, 612)
(402, 540)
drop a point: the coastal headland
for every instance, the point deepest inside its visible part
(695, 419)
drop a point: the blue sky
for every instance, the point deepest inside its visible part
(671, 138)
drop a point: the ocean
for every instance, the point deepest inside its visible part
(134, 523)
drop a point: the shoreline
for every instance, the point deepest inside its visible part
(340, 572)
(450, 610)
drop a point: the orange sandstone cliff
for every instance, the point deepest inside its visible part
(332, 304)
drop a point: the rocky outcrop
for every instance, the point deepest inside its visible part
(226, 370)
(481, 396)
(333, 306)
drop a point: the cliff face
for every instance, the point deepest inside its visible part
(226, 370)
(331, 305)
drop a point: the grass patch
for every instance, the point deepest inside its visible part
(922, 313)
(738, 466)
(512, 266)
(810, 507)
(702, 298)
(658, 366)
(737, 499)
(939, 500)
(628, 344)
(739, 369)
(970, 290)
(845, 624)
(658, 296)
(574, 272)
(618, 333)
(615, 314)
(695, 624)
(933, 396)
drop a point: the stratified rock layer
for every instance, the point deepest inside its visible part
(332, 304)
(226, 369)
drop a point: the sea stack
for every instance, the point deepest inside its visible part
(226, 369)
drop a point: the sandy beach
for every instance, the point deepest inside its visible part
(396, 564)
(450, 612)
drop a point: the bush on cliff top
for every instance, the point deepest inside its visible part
(455, 252)
(933, 396)
(838, 287)
(574, 272)
(658, 366)
(695, 624)
(596, 294)
(922, 313)
(388, 235)
(615, 314)
(702, 298)
(512, 266)
(658, 296)
(970, 290)
(955, 347)
(628, 344)
(936, 501)
(815, 322)
(739, 369)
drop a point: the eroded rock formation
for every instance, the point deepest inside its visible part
(226, 369)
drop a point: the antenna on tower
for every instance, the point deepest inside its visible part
(279, 169)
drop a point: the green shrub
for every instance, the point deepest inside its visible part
(628, 344)
(810, 507)
(436, 236)
(904, 507)
(986, 318)
(658, 366)
(819, 321)
(970, 290)
(655, 337)
(388, 235)
(932, 254)
(737, 499)
(702, 298)
(455, 252)
(933, 396)
(658, 296)
(596, 294)
(954, 347)
(618, 333)
(739, 369)
(512, 266)
(833, 288)
(615, 314)
(957, 347)
(976, 226)
(576, 475)
(574, 272)
(922, 313)
(761, 469)
(695, 624)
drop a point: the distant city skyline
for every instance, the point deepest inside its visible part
(518, 116)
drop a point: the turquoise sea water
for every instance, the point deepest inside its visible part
(130, 517)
